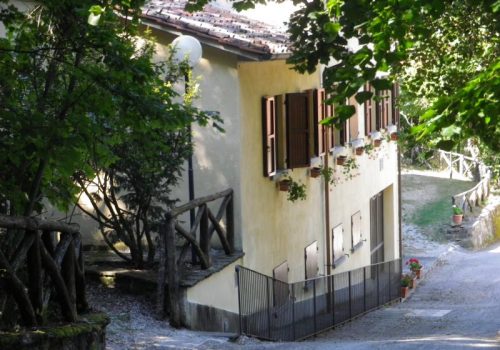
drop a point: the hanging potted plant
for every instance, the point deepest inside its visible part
(284, 185)
(358, 146)
(341, 160)
(297, 191)
(315, 171)
(376, 137)
(458, 215)
(392, 130)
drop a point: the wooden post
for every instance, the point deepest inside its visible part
(35, 279)
(172, 273)
(162, 273)
(204, 236)
(68, 273)
(230, 222)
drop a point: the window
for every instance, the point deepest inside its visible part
(381, 111)
(297, 131)
(291, 132)
(394, 101)
(369, 112)
(340, 136)
(311, 260)
(356, 235)
(320, 113)
(269, 135)
(377, 228)
(280, 284)
(338, 244)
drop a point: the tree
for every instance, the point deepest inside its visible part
(72, 98)
(364, 37)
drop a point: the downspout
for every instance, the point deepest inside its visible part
(399, 204)
(327, 221)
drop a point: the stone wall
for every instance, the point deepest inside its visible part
(479, 231)
(86, 334)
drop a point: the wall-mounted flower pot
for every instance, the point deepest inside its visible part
(341, 160)
(315, 172)
(284, 185)
(405, 291)
(359, 151)
(394, 136)
(457, 219)
(377, 142)
(418, 273)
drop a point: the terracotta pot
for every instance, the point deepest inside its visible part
(284, 185)
(376, 143)
(457, 219)
(418, 273)
(394, 136)
(341, 160)
(359, 151)
(413, 283)
(405, 291)
(315, 172)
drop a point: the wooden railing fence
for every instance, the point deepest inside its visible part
(465, 166)
(461, 164)
(36, 258)
(473, 197)
(198, 238)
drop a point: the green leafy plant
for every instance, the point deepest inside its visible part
(296, 190)
(349, 166)
(414, 264)
(406, 280)
(457, 210)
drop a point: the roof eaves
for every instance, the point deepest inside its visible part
(250, 51)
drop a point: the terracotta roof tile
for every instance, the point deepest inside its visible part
(220, 26)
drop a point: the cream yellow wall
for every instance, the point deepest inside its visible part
(219, 291)
(274, 229)
(354, 195)
(216, 159)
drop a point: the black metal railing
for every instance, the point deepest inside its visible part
(275, 310)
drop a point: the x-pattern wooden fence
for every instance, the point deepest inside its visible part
(198, 237)
(37, 257)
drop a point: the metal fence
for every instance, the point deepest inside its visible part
(275, 310)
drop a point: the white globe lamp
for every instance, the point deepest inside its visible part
(186, 46)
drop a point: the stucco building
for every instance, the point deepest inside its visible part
(271, 118)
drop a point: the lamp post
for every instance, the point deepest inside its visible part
(188, 48)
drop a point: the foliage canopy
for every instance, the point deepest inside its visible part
(72, 93)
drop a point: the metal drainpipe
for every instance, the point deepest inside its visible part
(399, 204)
(327, 219)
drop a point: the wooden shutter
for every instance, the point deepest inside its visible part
(338, 242)
(354, 124)
(356, 229)
(319, 115)
(368, 112)
(386, 108)
(280, 284)
(269, 135)
(378, 113)
(297, 112)
(330, 130)
(311, 260)
(394, 102)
